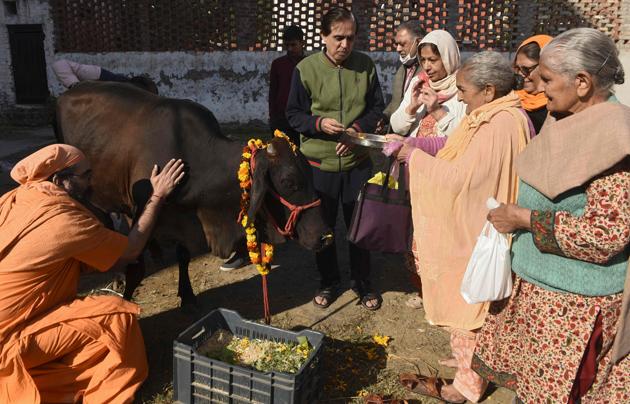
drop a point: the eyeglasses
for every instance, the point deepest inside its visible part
(84, 175)
(525, 71)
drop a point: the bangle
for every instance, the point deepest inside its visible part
(157, 196)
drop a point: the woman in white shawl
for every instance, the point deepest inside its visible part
(430, 108)
(429, 112)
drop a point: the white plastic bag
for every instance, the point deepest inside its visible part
(489, 272)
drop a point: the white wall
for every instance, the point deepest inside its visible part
(233, 85)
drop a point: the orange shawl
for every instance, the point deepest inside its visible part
(448, 196)
(532, 102)
(45, 235)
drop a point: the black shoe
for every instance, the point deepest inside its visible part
(236, 261)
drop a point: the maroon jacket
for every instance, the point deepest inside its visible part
(279, 85)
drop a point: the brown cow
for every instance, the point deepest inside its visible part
(124, 130)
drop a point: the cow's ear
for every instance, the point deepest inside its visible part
(259, 185)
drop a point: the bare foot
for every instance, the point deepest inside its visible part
(371, 303)
(450, 394)
(449, 362)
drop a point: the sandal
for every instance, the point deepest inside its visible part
(329, 293)
(362, 290)
(367, 297)
(425, 385)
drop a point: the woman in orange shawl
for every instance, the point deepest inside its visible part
(448, 197)
(53, 346)
(525, 65)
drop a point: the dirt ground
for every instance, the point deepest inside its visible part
(415, 345)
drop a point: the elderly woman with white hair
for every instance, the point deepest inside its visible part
(564, 334)
(448, 197)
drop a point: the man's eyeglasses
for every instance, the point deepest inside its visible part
(525, 71)
(86, 175)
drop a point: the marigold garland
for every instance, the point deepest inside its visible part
(262, 255)
(280, 134)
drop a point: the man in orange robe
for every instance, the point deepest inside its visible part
(53, 346)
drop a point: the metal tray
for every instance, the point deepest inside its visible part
(365, 139)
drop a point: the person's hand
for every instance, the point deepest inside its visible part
(404, 153)
(429, 98)
(330, 126)
(165, 181)
(380, 126)
(416, 98)
(343, 149)
(509, 218)
(392, 137)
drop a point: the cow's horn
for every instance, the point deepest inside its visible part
(271, 150)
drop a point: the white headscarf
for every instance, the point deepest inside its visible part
(449, 52)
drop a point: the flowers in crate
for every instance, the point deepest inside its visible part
(262, 355)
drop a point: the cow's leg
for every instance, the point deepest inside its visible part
(184, 288)
(134, 274)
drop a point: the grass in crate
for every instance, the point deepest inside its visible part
(262, 355)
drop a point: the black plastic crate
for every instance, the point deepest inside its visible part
(199, 379)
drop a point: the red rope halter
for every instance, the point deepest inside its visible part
(287, 231)
(289, 227)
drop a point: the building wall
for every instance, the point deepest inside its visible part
(232, 84)
(28, 12)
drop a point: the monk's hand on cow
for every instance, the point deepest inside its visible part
(330, 126)
(164, 181)
(508, 218)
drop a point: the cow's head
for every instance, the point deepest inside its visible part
(282, 183)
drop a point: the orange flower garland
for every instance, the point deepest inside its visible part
(263, 255)
(282, 135)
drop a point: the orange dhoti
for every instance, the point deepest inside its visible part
(91, 349)
(54, 347)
